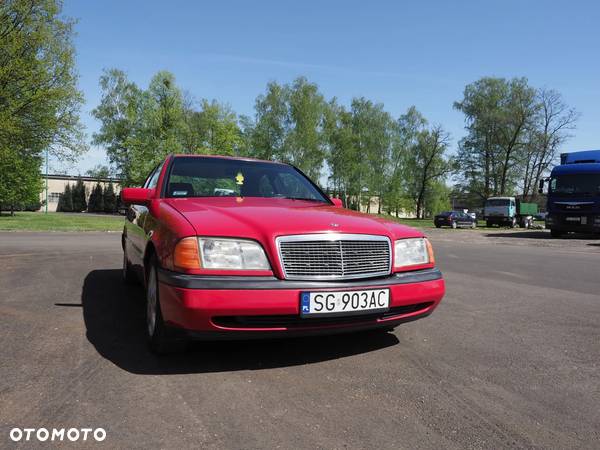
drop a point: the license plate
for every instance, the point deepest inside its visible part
(573, 219)
(344, 303)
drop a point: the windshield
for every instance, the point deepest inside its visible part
(219, 177)
(576, 184)
(497, 202)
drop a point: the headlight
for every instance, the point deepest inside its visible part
(412, 252)
(232, 254)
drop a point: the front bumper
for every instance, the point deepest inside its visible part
(210, 308)
(582, 223)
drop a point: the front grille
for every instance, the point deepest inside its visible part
(297, 322)
(574, 206)
(339, 256)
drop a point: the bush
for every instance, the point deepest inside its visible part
(96, 203)
(79, 197)
(65, 203)
(110, 199)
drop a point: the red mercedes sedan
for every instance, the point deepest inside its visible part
(232, 248)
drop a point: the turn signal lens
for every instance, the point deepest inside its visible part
(186, 255)
(430, 252)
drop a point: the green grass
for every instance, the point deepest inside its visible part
(38, 221)
(428, 223)
(416, 223)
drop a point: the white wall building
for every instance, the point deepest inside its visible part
(57, 183)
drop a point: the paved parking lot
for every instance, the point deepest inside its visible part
(510, 359)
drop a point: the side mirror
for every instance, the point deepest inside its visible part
(337, 203)
(136, 196)
(541, 187)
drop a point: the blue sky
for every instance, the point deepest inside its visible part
(418, 53)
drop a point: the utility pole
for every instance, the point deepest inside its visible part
(46, 180)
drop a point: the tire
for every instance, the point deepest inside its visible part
(555, 233)
(128, 275)
(438, 226)
(513, 222)
(454, 225)
(474, 225)
(159, 341)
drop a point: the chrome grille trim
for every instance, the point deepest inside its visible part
(334, 256)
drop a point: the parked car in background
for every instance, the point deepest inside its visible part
(455, 219)
(231, 248)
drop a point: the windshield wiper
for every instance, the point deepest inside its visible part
(302, 198)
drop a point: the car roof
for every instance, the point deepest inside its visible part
(577, 168)
(233, 158)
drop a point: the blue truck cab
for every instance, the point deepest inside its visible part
(574, 194)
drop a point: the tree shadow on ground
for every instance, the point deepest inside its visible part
(529, 234)
(114, 317)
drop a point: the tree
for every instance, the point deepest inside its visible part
(498, 114)
(405, 133)
(39, 100)
(212, 130)
(372, 128)
(514, 133)
(270, 125)
(99, 172)
(120, 114)
(162, 126)
(140, 128)
(79, 196)
(20, 183)
(110, 199)
(96, 203)
(341, 153)
(304, 141)
(428, 165)
(288, 126)
(551, 129)
(66, 204)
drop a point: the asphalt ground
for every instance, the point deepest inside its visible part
(510, 359)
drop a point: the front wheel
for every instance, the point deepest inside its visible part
(513, 222)
(156, 332)
(454, 225)
(474, 225)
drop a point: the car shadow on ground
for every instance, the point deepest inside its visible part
(114, 318)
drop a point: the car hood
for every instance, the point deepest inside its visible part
(264, 219)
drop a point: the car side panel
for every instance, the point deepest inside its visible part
(163, 228)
